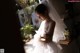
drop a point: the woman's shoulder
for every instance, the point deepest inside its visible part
(52, 21)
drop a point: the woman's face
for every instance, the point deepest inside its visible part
(42, 17)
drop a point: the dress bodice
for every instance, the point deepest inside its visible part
(46, 30)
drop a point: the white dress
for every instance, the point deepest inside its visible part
(41, 47)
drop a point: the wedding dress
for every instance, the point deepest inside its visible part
(41, 47)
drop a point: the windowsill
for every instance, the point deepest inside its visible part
(64, 42)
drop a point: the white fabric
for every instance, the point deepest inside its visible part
(41, 47)
(60, 26)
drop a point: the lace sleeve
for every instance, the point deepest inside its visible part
(49, 30)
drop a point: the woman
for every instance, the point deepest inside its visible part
(42, 40)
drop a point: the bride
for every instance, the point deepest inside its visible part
(42, 40)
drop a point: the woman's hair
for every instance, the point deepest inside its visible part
(41, 8)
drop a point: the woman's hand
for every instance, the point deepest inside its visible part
(43, 39)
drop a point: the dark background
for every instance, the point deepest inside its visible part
(10, 37)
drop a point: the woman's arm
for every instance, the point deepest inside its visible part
(48, 30)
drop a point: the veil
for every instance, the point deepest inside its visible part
(58, 33)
